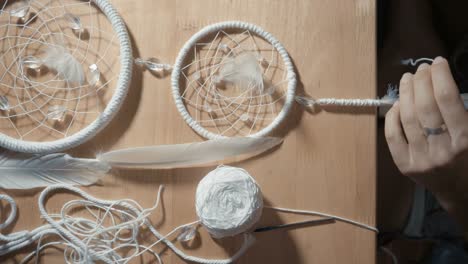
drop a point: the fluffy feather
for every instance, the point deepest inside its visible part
(57, 58)
(23, 171)
(243, 71)
(190, 154)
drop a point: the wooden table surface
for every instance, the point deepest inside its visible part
(326, 163)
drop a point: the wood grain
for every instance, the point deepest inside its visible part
(327, 162)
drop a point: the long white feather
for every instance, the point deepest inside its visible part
(57, 58)
(243, 71)
(190, 154)
(24, 171)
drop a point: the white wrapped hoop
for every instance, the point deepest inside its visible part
(229, 25)
(111, 109)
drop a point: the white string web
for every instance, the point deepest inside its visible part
(239, 107)
(39, 103)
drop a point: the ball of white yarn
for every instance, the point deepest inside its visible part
(228, 201)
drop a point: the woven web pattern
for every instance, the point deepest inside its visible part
(37, 103)
(224, 108)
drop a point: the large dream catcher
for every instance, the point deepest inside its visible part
(65, 69)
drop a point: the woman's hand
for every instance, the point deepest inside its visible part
(427, 133)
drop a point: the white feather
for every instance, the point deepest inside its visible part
(57, 58)
(244, 71)
(190, 154)
(24, 171)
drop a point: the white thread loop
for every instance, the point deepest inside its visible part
(415, 62)
(11, 217)
(228, 201)
(13, 209)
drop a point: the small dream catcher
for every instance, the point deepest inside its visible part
(65, 68)
(231, 79)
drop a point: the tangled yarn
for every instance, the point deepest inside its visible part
(110, 234)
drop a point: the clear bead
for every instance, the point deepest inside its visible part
(224, 48)
(95, 74)
(56, 112)
(271, 90)
(73, 21)
(153, 64)
(31, 62)
(4, 103)
(207, 108)
(244, 117)
(196, 76)
(187, 233)
(21, 10)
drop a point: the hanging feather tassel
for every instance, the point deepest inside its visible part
(68, 67)
(243, 71)
(23, 171)
(190, 154)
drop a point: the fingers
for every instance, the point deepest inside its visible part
(409, 120)
(395, 137)
(427, 109)
(428, 112)
(429, 99)
(448, 98)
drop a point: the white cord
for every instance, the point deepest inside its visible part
(390, 253)
(337, 218)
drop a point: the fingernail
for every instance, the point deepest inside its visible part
(423, 66)
(439, 59)
(406, 77)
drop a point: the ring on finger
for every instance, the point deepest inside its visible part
(434, 131)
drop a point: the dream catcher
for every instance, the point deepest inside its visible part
(65, 67)
(231, 79)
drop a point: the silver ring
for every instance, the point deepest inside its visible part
(428, 131)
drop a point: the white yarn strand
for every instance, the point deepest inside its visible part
(415, 62)
(337, 218)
